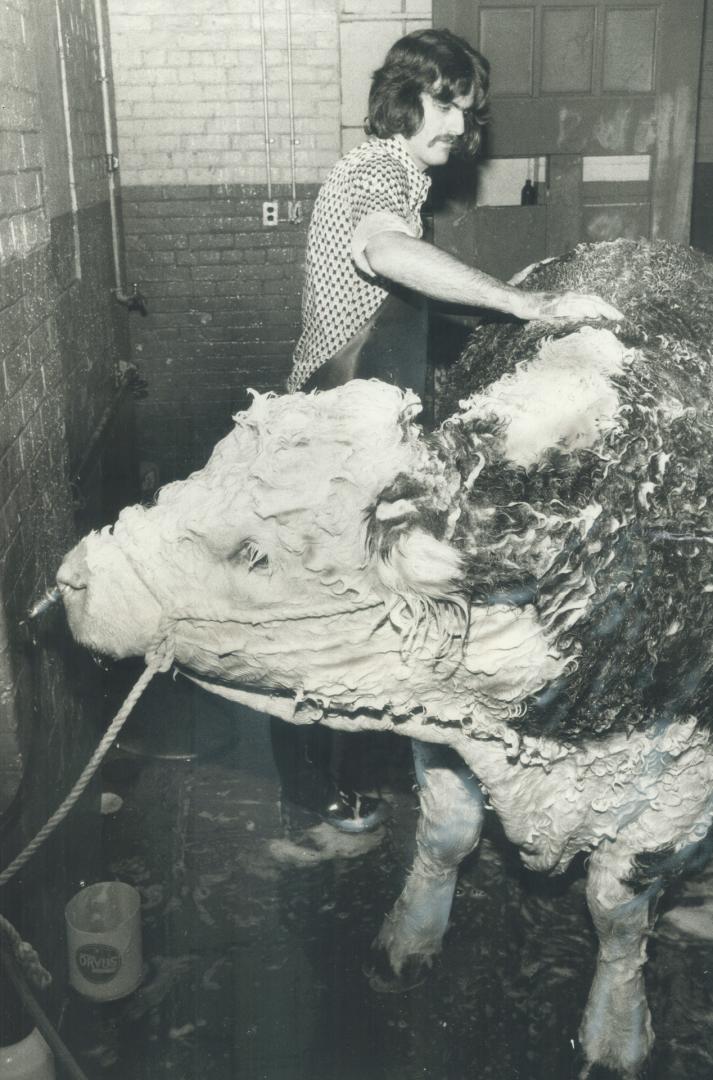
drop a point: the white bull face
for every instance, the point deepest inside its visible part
(259, 565)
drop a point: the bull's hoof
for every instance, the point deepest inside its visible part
(384, 980)
(349, 812)
(353, 813)
(593, 1070)
(604, 1072)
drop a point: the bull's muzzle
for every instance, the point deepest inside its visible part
(73, 582)
(73, 574)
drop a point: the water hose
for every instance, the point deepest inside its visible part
(39, 1016)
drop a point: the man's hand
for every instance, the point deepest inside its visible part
(551, 307)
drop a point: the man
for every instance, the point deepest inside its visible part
(428, 100)
(367, 268)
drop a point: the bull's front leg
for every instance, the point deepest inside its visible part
(449, 828)
(616, 1028)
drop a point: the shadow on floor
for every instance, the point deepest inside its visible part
(254, 940)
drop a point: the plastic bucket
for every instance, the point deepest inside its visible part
(104, 940)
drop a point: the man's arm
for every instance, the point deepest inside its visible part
(426, 269)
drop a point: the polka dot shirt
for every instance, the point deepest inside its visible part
(374, 188)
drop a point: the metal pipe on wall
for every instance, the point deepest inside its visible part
(111, 158)
(291, 98)
(64, 85)
(134, 301)
(263, 54)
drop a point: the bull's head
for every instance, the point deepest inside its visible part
(296, 557)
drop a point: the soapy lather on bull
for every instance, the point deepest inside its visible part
(522, 588)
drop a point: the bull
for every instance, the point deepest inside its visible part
(526, 592)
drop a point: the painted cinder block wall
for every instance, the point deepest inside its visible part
(223, 291)
(62, 336)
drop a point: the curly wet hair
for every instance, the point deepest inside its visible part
(434, 62)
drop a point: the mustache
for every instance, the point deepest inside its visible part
(449, 140)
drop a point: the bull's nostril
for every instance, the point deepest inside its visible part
(68, 580)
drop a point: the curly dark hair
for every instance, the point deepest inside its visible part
(435, 62)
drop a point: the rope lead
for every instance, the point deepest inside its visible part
(157, 659)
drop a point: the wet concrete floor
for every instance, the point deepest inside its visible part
(255, 936)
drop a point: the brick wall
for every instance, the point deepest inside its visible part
(189, 90)
(61, 336)
(224, 297)
(223, 291)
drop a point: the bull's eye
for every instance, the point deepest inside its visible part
(253, 556)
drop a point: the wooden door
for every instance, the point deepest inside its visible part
(600, 96)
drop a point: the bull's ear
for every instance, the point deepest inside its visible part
(418, 563)
(427, 575)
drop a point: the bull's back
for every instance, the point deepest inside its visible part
(594, 467)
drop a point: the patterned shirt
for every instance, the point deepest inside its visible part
(375, 188)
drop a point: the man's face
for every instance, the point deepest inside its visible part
(443, 123)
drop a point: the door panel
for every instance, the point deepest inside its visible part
(573, 82)
(568, 37)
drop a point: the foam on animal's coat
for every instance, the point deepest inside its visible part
(613, 533)
(581, 542)
(564, 396)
